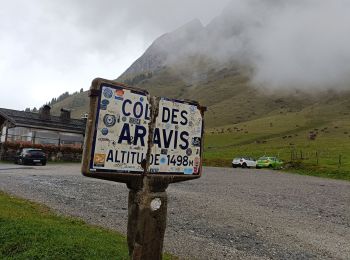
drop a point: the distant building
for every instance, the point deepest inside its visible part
(40, 128)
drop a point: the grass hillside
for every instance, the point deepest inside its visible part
(287, 136)
(78, 103)
(226, 91)
(244, 120)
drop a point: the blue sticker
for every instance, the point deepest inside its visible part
(196, 141)
(104, 104)
(141, 99)
(107, 92)
(104, 131)
(109, 120)
(188, 171)
(163, 160)
(118, 98)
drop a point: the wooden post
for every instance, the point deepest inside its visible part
(339, 161)
(7, 131)
(317, 157)
(147, 212)
(34, 137)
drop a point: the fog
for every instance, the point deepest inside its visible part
(49, 47)
(303, 44)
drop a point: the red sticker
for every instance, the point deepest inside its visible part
(119, 93)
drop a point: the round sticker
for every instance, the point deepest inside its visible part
(119, 93)
(104, 131)
(105, 102)
(156, 204)
(163, 160)
(189, 152)
(109, 120)
(108, 93)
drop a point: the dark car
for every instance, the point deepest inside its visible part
(30, 156)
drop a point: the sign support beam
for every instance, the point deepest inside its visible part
(147, 211)
(147, 143)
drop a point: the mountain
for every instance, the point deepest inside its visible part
(214, 65)
(162, 50)
(197, 62)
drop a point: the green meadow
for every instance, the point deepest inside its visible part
(31, 231)
(288, 136)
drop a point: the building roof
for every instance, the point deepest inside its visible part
(30, 119)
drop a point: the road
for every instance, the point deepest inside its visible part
(226, 214)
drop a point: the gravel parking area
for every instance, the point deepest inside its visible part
(226, 214)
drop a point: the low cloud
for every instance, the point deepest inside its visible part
(302, 44)
(50, 47)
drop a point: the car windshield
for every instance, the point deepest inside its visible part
(35, 151)
(263, 158)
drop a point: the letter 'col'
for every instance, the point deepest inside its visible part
(131, 134)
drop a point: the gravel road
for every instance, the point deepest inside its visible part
(226, 214)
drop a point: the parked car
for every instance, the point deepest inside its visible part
(244, 162)
(269, 162)
(30, 156)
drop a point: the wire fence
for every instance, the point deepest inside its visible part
(319, 157)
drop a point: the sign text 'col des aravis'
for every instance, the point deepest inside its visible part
(121, 136)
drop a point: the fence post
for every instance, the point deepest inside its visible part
(317, 157)
(34, 137)
(7, 131)
(339, 161)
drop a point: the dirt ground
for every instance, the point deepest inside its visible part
(226, 214)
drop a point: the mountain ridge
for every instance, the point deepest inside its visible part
(175, 66)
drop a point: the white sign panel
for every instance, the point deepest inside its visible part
(177, 138)
(120, 142)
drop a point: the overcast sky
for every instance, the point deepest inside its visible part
(49, 47)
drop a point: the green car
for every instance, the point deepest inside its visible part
(269, 162)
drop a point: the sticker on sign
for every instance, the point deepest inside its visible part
(125, 125)
(121, 134)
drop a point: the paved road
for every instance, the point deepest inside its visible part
(226, 214)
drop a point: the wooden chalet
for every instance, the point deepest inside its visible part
(40, 128)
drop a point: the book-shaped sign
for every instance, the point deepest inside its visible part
(130, 133)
